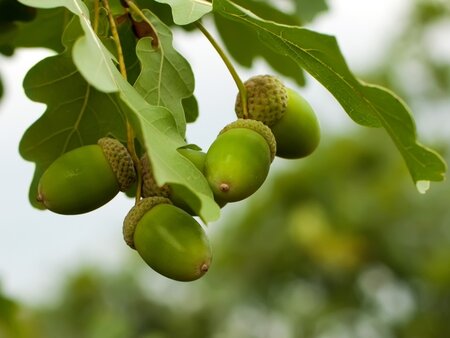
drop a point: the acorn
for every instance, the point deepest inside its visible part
(297, 132)
(238, 161)
(292, 120)
(267, 99)
(168, 239)
(86, 178)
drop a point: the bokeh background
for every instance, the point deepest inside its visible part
(338, 245)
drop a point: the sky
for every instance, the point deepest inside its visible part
(38, 249)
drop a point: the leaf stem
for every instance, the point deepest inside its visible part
(231, 69)
(96, 15)
(115, 34)
(130, 132)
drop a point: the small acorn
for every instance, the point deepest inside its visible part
(266, 99)
(238, 161)
(86, 178)
(168, 239)
(298, 132)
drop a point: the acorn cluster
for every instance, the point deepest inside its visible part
(161, 226)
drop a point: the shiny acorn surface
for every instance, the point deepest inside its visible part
(298, 132)
(237, 164)
(173, 243)
(77, 182)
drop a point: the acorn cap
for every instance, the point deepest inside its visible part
(257, 126)
(149, 186)
(267, 99)
(120, 161)
(135, 214)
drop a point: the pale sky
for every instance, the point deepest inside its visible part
(37, 248)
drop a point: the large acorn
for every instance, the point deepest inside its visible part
(168, 239)
(86, 178)
(292, 120)
(238, 161)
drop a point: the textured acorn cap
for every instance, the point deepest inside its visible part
(120, 161)
(149, 186)
(135, 214)
(267, 99)
(257, 126)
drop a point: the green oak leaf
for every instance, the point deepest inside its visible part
(190, 106)
(268, 10)
(161, 10)
(367, 105)
(166, 77)
(91, 57)
(154, 126)
(187, 11)
(307, 10)
(44, 30)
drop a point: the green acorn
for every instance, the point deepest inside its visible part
(168, 239)
(266, 99)
(238, 161)
(86, 178)
(292, 120)
(298, 131)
